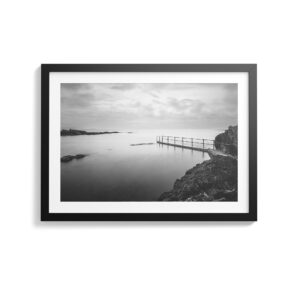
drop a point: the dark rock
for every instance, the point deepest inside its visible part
(212, 180)
(68, 158)
(227, 142)
(69, 132)
(141, 144)
(73, 132)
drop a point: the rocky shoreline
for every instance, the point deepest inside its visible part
(214, 179)
(227, 142)
(68, 158)
(73, 132)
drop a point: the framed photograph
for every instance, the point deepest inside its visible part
(154, 142)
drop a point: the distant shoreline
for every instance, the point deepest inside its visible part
(74, 132)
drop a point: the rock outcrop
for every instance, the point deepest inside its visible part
(72, 132)
(68, 158)
(214, 179)
(227, 142)
(142, 144)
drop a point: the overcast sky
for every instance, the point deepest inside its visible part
(114, 106)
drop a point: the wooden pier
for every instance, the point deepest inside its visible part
(196, 144)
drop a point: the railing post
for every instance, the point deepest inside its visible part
(182, 141)
(168, 139)
(192, 142)
(203, 143)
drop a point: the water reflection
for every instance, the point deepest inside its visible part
(116, 171)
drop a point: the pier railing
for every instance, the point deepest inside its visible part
(185, 142)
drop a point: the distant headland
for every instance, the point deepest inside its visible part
(72, 132)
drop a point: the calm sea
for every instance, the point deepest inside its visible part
(116, 171)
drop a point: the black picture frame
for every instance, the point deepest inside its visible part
(251, 69)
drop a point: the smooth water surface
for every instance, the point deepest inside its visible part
(116, 171)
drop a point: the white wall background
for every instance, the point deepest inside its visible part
(150, 261)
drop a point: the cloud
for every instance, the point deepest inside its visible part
(153, 95)
(123, 86)
(124, 105)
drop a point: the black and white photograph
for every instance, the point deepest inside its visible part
(149, 142)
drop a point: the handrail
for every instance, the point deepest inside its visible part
(182, 137)
(192, 143)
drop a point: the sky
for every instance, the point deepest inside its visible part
(132, 106)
